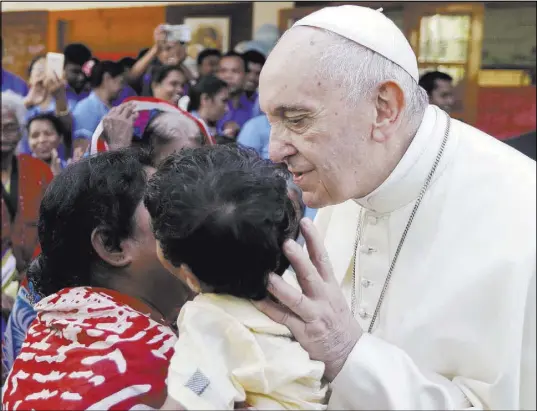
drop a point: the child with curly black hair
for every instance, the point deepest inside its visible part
(221, 215)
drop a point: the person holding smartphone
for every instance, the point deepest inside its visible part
(168, 49)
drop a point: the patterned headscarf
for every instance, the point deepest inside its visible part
(148, 108)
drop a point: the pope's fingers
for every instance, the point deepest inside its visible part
(307, 276)
(290, 297)
(316, 250)
(280, 314)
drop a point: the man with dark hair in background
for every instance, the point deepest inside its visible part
(439, 88)
(76, 55)
(232, 69)
(254, 64)
(207, 61)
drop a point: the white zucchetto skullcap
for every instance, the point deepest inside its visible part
(368, 27)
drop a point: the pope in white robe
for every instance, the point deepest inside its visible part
(456, 327)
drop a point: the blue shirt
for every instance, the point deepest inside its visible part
(11, 81)
(87, 115)
(126, 92)
(256, 134)
(256, 109)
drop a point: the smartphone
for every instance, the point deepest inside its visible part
(55, 63)
(179, 32)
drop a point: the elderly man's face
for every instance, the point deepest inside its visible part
(325, 143)
(11, 131)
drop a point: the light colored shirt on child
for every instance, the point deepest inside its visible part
(229, 352)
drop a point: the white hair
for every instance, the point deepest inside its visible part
(360, 71)
(15, 104)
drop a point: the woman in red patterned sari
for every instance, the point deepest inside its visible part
(102, 338)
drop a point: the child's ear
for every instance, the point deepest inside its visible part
(183, 272)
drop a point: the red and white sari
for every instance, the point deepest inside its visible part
(91, 348)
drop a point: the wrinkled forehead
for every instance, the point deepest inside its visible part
(290, 75)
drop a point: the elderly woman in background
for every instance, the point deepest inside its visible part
(24, 180)
(45, 135)
(104, 293)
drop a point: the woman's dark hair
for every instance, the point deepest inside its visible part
(32, 63)
(209, 85)
(225, 213)
(55, 121)
(99, 191)
(160, 73)
(113, 68)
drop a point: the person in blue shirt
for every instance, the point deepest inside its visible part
(256, 134)
(48, 95)
(107, 80)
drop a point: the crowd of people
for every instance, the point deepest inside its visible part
(151, 237)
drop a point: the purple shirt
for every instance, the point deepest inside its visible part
(73, 96)
(11, 81)
(239, 115)
(126, 92)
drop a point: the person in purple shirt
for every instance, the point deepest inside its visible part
(76, 55)
(232, 69)
(11, 81)
(254, 64)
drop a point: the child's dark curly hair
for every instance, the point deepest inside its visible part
(225, 213)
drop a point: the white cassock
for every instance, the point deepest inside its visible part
(457, 326)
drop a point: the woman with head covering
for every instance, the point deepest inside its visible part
(102, 336)
(150, 123)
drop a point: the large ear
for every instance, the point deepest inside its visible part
(113, 255)
(389, 106)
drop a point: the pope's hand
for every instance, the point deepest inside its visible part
(318, 317)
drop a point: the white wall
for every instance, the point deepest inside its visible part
(264, 12)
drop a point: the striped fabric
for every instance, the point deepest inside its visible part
(98, 144)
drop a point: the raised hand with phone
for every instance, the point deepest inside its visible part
(168, 49)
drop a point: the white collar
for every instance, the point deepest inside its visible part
(405, 182)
